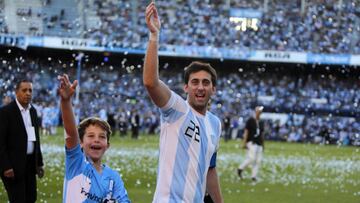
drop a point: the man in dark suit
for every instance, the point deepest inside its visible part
(20, 152)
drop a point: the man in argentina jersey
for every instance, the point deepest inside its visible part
(189, 134)
(87, 180)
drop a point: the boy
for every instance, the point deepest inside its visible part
(86, 178)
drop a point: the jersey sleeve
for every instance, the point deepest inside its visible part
(219, 136)
(174, 108)
(213, 160)
(74, 162)
(120, 193)
(217, 129)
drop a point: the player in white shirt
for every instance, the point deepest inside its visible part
(189, 134)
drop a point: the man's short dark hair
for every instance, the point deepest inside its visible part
(19, 81)
(197, 66)
(94, 121)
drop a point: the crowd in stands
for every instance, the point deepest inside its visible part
(116, 94)
(3, 26)
(324, 26)
(321, 26)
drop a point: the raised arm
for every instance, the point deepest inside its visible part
(158, 91)
(66, 91)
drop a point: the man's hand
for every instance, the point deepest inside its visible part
(40, 171)
(9, 173)
(152, 19)
(66, 89)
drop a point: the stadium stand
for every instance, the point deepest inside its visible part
(322, 26)
(311, 102)
(301, 103)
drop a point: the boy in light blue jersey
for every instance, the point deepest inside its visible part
(87, 180)
(189, 134)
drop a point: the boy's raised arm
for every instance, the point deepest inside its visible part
(66, 91)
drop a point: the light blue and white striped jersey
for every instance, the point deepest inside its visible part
(188, 140)
(83, 184)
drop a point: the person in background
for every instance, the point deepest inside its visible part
(253, 142)
(20, 152)
(6, 100)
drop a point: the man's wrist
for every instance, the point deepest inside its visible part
(154, 37)
(68, 100)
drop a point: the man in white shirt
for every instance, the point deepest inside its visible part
(21, 157)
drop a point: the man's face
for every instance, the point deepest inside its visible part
(199, 90)
(24, 93)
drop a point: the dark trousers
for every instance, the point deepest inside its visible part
(22, 189)
(207, 199)
(135, 132)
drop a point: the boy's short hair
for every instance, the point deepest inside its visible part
(94, 121)
(197, 66)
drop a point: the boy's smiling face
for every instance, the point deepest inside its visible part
(95, 142)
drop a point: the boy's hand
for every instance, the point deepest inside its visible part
(66, 89)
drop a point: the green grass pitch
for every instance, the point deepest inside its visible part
(289, 173)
